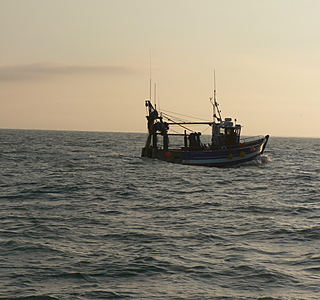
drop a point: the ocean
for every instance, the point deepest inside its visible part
(83, 216)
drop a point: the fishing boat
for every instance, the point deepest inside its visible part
(226, 146)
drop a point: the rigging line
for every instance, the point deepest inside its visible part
(205, 130)
(175, 121)
(184, 119)
(178, 119)
(180, 125)
(183, 115)
(171, 120)
(174, 131)
(175, 117)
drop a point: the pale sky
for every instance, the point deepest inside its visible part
(85, 64)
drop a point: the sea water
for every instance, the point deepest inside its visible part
(83, 216)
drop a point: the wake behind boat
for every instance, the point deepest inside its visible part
(226, 148)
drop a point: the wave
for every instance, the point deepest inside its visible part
(41, 297)
(83, 216)
(48, 157)
(260, 160)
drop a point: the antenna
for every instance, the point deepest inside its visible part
(214, 85)
(150, 78)
(159, 104)
(155, 95)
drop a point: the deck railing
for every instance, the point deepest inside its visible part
(251, 139)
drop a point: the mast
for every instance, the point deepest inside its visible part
(213, 97)
(215, 126)
(216, 104)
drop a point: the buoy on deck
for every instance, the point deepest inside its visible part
(167, 154)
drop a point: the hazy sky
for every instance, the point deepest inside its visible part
(85, 64)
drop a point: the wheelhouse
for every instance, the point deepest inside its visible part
(225, 134)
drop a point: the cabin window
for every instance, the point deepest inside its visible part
(228, 131)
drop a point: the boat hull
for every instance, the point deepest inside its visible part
(211, 158)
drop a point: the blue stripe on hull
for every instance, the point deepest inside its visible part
(221, 158)
(219, 161)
